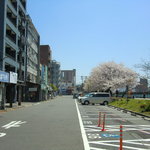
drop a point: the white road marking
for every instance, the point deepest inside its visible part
(90, 114)
(84, 137)
(113, 118)
(93, 128)
(130, 125)
(115, 128)
(137, 142)
(93, 148)
(13, 124)
(85, 116)
(88, 122)
(144, 132)
(94, 136)
(2, 134)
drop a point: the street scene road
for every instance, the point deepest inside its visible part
(65, 124)
(74, 75)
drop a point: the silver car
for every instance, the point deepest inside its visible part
(97, 98)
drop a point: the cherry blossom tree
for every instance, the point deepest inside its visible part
(110, 75)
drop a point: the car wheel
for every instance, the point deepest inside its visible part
(105, 103)
(86, 102)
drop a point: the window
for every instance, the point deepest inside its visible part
(101, 95)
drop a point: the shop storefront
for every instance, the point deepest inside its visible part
(32, 92)
(4, 78)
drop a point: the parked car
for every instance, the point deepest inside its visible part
(97, 98)
(82, 97)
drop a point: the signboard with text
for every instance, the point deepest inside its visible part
(4, 76)
(32, 89)
(13, 77)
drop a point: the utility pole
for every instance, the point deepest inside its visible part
(83, 78)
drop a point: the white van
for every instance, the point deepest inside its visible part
(97, 98)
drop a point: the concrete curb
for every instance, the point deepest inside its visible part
(131, 112)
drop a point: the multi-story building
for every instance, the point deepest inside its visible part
(55, 73)
(142, 87)
(33, 62)
(45, 60)
(12, 44)
(44, 82)
(68, 81)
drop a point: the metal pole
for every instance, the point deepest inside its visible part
(99, 120)
(20, 77)
(3, 97)
(103, 125)
(121, 138)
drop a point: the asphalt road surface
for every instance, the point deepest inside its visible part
(51, 125)
(64, 124)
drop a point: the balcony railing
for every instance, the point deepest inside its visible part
(14, 4)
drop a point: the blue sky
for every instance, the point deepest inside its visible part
(85, 33)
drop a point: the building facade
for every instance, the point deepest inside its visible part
(45, 61)
(44, 82)
(142, 87)
(68, 81)
(55, 73)
(33, 62)
(12, 45)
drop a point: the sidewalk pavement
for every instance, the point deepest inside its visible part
(23, 104)
(16, 106)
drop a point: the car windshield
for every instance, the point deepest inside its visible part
(87, 95)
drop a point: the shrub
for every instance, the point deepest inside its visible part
(147, 108)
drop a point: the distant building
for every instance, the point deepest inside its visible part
(44, 82)
(55, 73)
(143, 86)
(68, 81)
(45, 60)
